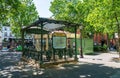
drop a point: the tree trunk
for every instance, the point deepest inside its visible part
(108, 41)
(118, 34)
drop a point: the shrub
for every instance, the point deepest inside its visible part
(89, 53)
(104, 48)
(97, 48)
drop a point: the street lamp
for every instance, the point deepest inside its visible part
(81, 50)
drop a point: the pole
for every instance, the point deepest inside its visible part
(81, 49)
(23, 43)
(75, 45)
(41, 52)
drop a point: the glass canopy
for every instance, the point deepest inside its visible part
(48, 25)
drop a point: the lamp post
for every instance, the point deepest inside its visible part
(81, 50)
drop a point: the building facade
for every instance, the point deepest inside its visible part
(0, 38)
(6, 33)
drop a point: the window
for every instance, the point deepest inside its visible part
(10, 34)
(5, 29)
(5, 34)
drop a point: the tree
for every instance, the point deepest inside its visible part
(18, 14)
(73, 11)
(65, 10)
(106, 15)
(97, 16)
(5, 7)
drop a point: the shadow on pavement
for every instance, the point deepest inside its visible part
(9, 68)
(86, 70)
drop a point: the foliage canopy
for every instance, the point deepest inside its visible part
(96, 15)
(17, 13)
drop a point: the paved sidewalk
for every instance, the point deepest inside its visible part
(91, 66)
(106, 59)
(102, 58)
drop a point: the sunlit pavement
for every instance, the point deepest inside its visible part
(102, 58)
(97, 66)
(105, 59)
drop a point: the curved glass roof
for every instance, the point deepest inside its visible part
(46, 25)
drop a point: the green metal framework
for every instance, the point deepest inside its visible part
(38, 27)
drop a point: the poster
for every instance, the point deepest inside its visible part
(59, 42)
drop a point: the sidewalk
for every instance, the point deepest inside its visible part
(102, 58)
(91, 66)
(105, 59)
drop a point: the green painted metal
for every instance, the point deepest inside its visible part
(38, 28)
(87, 45)
(23, 43)
(41, 52)
(36, 31)
(76, 44)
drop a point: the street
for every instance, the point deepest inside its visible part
(10, 68)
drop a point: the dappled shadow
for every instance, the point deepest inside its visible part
(12, 67)
(9, 68)
(82, 70)
(9, 58)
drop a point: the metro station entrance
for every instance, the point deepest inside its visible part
(49, 41)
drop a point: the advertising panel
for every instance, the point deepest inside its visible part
(59, 40)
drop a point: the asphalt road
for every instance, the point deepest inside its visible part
(9, 68)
